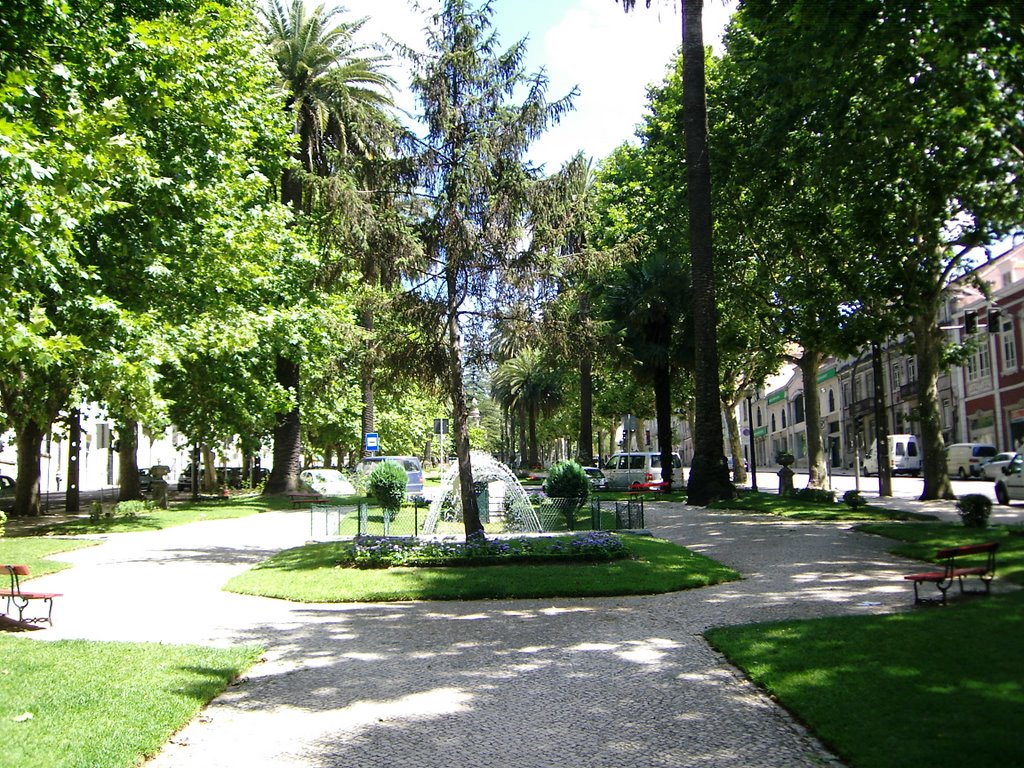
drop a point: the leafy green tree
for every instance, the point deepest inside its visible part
(475, 175)
(127, 154)
(914, 111)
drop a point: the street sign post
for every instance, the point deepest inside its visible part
(372, 442)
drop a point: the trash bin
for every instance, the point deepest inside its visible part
(483, 500)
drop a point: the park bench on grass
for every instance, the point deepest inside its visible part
(299, 499)
(21, 599)
(954, 570)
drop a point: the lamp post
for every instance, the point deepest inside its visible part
(753, 455)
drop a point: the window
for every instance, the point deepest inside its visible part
(831, 401)
(978, 364)
(1009, 344)
(783, 419)
(897, 374)
(798, 409)
(759, 416)
(773, 423)
(911, 370)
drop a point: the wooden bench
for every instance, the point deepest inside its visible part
(951, 571)
(21, 599)
(298, 499)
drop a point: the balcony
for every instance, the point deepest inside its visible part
(909, 390)
(864, 407)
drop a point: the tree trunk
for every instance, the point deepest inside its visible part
(928, 340)
(524, 459)
(129, 488)
(739, 472)
(26, 486)
(585, 453)
(209, 470)
(709, 473)
(817, 472)
(881, 423)
(663, 416)
(534, 459)
(72, 498)
(460, 415)
(284, 476)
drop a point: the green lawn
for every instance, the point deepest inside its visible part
(178, 514)
(922, 540)
(934, 687)
(32, 551)
(309, 574)
(787, 506)
(74, 703)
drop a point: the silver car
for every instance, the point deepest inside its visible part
(642, 469)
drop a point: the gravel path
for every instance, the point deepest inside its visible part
(528, 683)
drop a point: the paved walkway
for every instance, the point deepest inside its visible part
(529, 683)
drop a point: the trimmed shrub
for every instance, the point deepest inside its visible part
(569, 484)
(854, 500)
(387, 484)
(3, 521)
(567, 480)
(974, 509)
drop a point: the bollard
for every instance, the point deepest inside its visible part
(785, 480)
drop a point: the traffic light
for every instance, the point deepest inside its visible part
(993, 321)
(970, 321)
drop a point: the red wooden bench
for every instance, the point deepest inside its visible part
(954, 570)
(20, 598)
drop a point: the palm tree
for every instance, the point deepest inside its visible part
(644, 305)
(709, 473)
(341, 104)
(526, 381)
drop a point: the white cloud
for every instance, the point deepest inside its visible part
(611, 55)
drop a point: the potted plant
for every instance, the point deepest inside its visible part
(785, 458)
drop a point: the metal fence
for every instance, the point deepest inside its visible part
(556, 515)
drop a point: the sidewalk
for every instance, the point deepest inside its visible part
(623, 682)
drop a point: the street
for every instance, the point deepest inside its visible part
(902, 487)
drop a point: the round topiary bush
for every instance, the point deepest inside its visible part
(974, 509)
(3, 521)
(568, 486)
(854, 500)
(567, 480)
(387, 484)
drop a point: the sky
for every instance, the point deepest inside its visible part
(610, 55)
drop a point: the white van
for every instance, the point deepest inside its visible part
(964, 460)
(624, 470)
(904, 456)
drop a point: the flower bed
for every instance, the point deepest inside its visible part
(377, 552)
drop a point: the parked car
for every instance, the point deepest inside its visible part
(145, 480)
(6, 493)
(412, 466)
(993, 468)
(729, 461)
(598, 482)
(625, 470)
(1010, 487)
(964, 460)
(229, 476)
(327, 482)
(904, 456)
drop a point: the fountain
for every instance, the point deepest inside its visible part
(506, 501)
